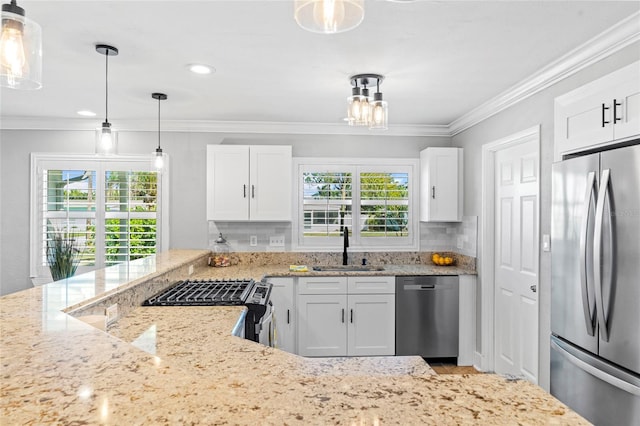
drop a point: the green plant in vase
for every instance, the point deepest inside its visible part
(63, 255)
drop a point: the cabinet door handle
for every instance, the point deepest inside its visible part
(604, 109)
(433, 192)
(244, 191)
(351, 316)
(343, 315)
(616, 104)
(288, 316)
(253, 191)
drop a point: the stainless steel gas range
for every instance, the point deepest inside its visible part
(248, 292)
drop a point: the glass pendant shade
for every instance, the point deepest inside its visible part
(106, 140)
(379, 113)
(158, 162)
(365, 109)
(20, 50)
(328, 16)
(359, 109)
(354, 102)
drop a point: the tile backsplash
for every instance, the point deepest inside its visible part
(238, 235)
(460, 237)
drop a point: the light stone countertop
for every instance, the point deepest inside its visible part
(56, 369)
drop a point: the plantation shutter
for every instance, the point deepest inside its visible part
(384, 204)
(68, 214)
(327, 203)
(108, 209)
(130, 221)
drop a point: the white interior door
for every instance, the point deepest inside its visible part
(516, 260)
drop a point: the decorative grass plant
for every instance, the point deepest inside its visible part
(63, 256)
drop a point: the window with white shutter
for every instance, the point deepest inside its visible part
(372, 198)
(109, 208)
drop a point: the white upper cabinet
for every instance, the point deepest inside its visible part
(598, 113)
(441, 181)
(248, 183)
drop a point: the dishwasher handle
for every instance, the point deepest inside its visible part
(419, 287)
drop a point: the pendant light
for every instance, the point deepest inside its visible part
(328, 16)
(106, 142)
(159, 158)
(20, 49)
(364, 110)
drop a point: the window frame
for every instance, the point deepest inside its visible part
(356, 166)
(56, 161)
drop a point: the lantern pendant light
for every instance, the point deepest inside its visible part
(159, 157)
(20, 49)
(106, 142)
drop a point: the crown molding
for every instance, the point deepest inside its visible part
(606, 43)
(210, 126)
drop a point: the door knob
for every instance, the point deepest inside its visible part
(534, 288)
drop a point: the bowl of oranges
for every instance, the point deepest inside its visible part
(442, 260)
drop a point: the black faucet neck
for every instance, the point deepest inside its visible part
(345, 256)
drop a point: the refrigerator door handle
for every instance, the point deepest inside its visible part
(588, 306)
(619, 383)
(597, 254)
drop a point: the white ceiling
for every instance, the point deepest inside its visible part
(441, 59)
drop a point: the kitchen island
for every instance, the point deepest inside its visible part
(182, 366)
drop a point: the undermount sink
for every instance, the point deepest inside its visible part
(348, 268)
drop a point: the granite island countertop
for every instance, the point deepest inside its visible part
(56, 369)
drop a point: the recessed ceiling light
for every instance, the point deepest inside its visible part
(86, 113)
(201, 69)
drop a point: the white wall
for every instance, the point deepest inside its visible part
(187, 152)
(537, 109)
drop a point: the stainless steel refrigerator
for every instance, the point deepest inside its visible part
(595, 285)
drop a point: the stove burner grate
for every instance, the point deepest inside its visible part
(204, 293)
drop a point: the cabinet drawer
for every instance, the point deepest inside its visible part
(322, 285)
(371, 285)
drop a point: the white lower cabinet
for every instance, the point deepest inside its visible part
(283, 299)
(371, 329)
(345, 324)
(322, 328)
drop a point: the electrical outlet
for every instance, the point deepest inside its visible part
(460, 243)
(112, 313)
(276, 241)
(190, 269)
(253, 240)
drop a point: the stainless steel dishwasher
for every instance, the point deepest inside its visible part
(427, 316)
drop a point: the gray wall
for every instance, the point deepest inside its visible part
(537, 109)
(187, 151)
